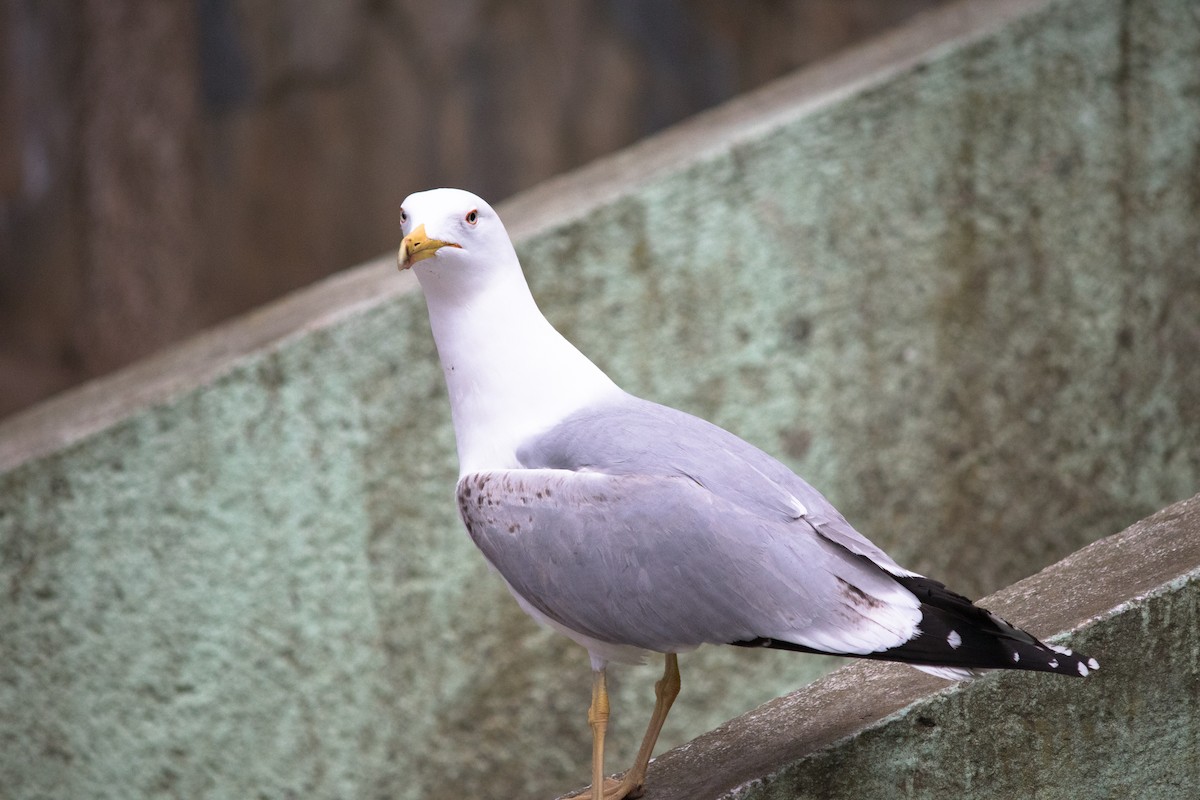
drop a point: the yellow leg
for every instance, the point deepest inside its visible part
(665, 692)
(598, 721)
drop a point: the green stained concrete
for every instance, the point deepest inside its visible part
(1133, 732)
(962, 297)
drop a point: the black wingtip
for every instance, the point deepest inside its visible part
(957, 634)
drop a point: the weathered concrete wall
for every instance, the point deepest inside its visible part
(139, 134)
(885, 731)
(952, 279)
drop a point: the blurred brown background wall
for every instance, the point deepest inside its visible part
(164, 166)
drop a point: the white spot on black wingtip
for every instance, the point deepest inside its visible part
(1058, 648)
(1016, 657)
(954, 640)
(1054, 663)
(1083, 670)
(1093, 664)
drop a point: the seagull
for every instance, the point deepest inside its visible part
(631, 527)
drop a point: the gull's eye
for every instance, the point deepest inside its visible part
(403, 216)
(472, 216)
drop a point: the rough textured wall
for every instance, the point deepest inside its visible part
(166, 165)
(962, 300)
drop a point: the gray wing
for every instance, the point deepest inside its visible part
(663, 563)
(637, 524)
(638, 437)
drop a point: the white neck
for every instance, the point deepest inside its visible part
(509, 373)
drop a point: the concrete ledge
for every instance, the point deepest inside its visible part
(89, 409)
(882, 731)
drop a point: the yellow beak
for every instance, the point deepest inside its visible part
(418, 247)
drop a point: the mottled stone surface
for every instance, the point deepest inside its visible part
(953, 280)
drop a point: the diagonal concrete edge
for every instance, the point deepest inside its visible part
(80, 412)
(925, 38)
(1079, 593)
(75, 414)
